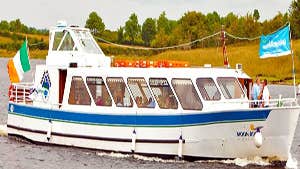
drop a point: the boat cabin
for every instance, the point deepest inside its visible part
(78, 74)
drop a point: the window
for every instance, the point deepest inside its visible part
(67, 44)
(230, 87)
(98, 91)
(141, 92)
(57, 39)
(119, 91)
(78, 92)
(187, 94)
(163, 93)
(208, 89)
(86, 42)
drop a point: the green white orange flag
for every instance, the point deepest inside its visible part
(19, 64)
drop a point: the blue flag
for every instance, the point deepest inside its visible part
(275, 44)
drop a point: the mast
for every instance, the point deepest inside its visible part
(223, 40)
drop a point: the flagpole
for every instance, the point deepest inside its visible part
(294, 73)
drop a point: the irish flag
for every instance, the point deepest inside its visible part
(19, 64)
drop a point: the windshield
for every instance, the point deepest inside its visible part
(87, 43)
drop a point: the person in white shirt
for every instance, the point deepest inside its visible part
(255, 92)
(266, 94)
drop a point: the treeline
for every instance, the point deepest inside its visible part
(16, 32)
(162, 31)
(18, 27)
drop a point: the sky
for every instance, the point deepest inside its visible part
(114, 13)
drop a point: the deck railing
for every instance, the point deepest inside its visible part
(20, 93)
(280, 102)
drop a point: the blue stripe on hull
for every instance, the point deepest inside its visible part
(143, 120)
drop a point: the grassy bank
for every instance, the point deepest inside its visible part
(277, 70)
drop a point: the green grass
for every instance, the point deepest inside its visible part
(276, 70)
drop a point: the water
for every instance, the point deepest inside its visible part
(16, 153)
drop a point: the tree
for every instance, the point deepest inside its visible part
(95, 24)
(161, 39)
(213, 21)
(163, 23)
(4, 25)
(15, 25)
(132, 28)
(256, 15)
(250, 27)
(295, 18)
(148, 31)
(193, 25)
(120, 34)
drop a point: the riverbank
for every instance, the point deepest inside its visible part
(275, 70)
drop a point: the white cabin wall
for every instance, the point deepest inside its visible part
(53, 91)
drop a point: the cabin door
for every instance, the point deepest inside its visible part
(62, 83)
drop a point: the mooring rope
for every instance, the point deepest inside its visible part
(35, 44)
(242, 38)
(160, 48)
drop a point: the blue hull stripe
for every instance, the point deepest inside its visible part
(143, 120)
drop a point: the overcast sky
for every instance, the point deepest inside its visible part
(45, 13)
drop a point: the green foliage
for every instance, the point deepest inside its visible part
(148, 31)
(4, 25)
(295, 18)
(193, 26)
(163, 23)
(256, 15)
(132, 29)
(161, 39)
(161, 31)
(95, 24)
(111, 36)
(18, 26)
(213, 20)
(113, 50)
(120, 35)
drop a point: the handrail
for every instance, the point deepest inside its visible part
(20, 92)
(273, 102)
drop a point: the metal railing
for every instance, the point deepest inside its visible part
(20, 93)
(280, 102)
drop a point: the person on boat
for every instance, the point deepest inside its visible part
(138, 101)
(266, 94)
(151, 103)
(256, 92)
(119, 103)
(78, 100)
(99, 101)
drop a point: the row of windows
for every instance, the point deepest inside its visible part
(142, 93)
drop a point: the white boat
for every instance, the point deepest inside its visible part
(79, 99)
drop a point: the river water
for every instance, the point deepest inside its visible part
(15, 153)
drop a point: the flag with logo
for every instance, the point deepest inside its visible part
(18, 65)
(275, 44)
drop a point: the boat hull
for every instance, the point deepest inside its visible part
(212, 139)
